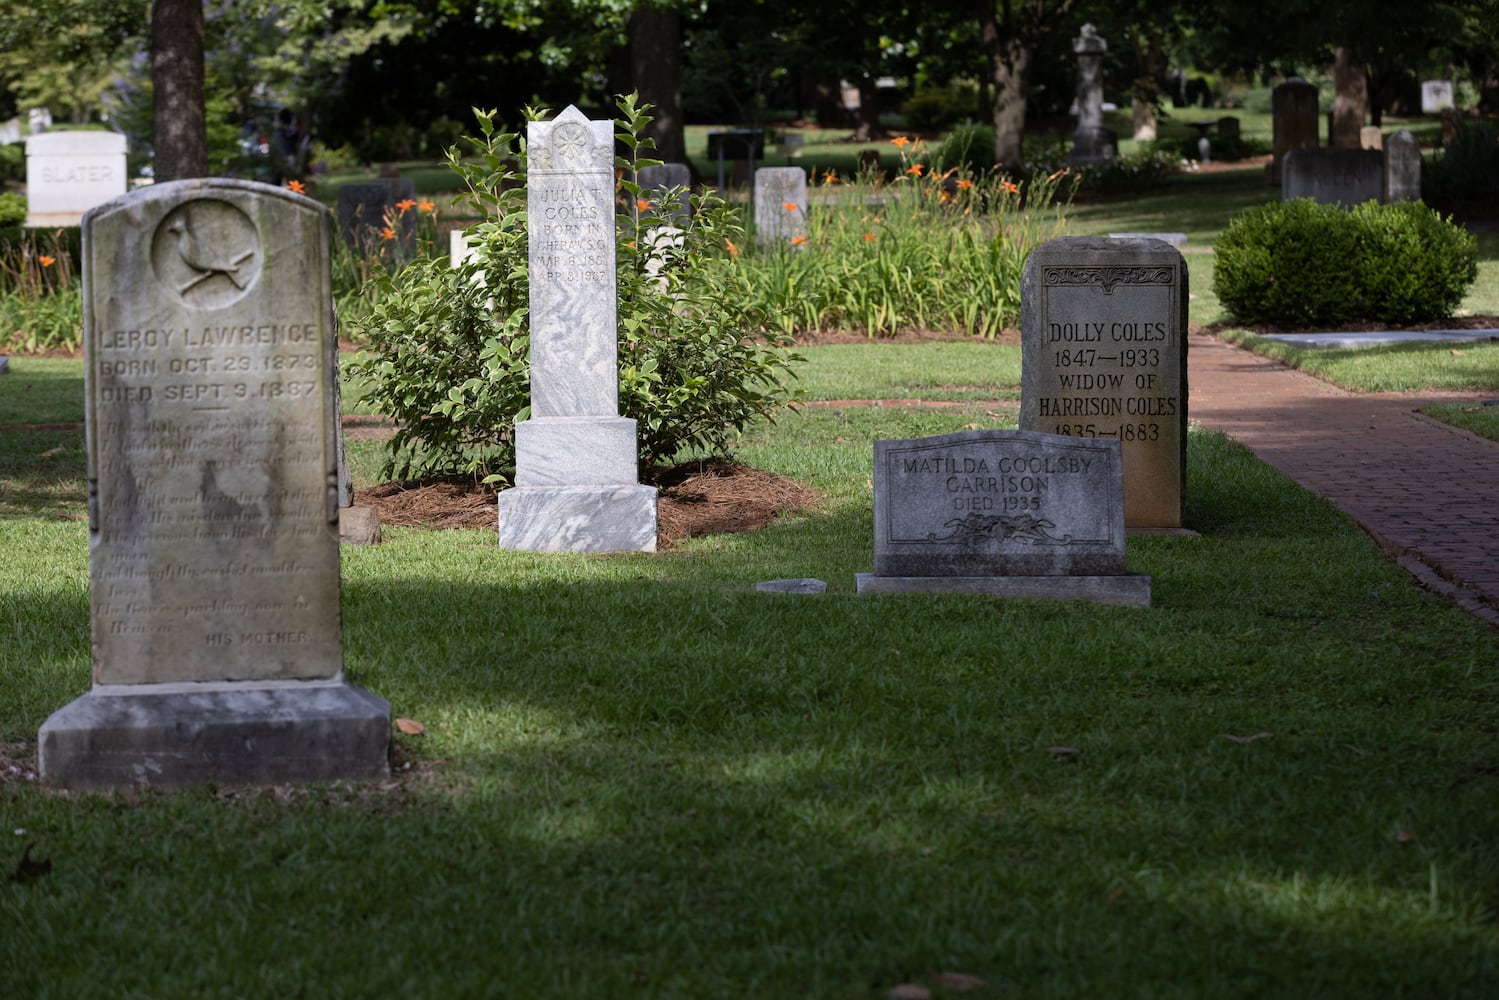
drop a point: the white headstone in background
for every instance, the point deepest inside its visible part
(577, 485)
(68, 173)
(1436, 95)
(209, 359)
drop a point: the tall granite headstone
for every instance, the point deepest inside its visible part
(1008, 513)
(213, 500)
(780, 204)
(577, 485)
(1104, 355)
(1402, 168)
(1293, 105)
(1091, 143)
(68, 173)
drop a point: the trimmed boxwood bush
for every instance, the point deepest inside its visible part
(1299, 263)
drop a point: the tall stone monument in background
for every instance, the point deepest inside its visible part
(212, 446)
(1294, 125)
(1091, 143)
(577, 485)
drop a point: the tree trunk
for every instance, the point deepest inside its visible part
(180, 131)
(1009, 72)
(1149, 56)
(656, 72)
(1352, 101)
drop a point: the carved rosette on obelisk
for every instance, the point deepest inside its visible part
(577, 486)
(212, 431)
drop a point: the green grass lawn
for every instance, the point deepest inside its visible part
(641, 777)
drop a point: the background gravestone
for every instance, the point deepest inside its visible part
(213, 510)
(68, 173)
(1293, 105)
(577, 484)
(655, 182)
(1436, 96)
(1344, 177)
(1091, 143)
(1402, 168)
(366, 207)
(1104, 354)
(780, 204)
(1012, 513)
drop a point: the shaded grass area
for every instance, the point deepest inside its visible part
(1482, 418)
(42, 391)
(641, 777)
(1196, 204)
(1387, 367)
(952, 370)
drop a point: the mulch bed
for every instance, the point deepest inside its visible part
(698, 498)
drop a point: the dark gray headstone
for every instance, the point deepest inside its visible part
(994, 511)
(367, 208)
(1104, 355)
(1294, 125)
(1345, 177)
(212, 426)
(1402, 168)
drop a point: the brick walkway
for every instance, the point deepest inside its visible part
(1426, 492)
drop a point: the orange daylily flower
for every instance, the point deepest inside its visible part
(297, 186)
(405, 205)
(1009, 187)
(798, 240)
(915, 169)
(790, 206)
(387, 233)
(642, 205)
(901, 141)
(729, 246)
(964, 183)
(869, 237)
(46, 261)
(427, 206)
(831, 177)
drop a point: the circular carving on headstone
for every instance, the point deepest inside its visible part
(570, 143)
(207, 253)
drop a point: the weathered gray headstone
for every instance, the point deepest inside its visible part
(1293, 105)
(780, 204)
(577, 482)
(667, 179)
(367, 208)
(1345, 177)
(1104, 355)
(1014, 513)
(1402, 168)
(1091, 143)
(68, 173)
(1371, 137)
(212, 438)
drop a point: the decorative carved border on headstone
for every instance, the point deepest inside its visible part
(1107, 277)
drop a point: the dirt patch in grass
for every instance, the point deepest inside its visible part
(699, 498)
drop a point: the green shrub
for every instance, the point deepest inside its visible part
(936, 108)
(1465, 177)
(448, 346)
(1413, 265)
(1300, 263)
(12, 214)
(12, 162)
(969, 147)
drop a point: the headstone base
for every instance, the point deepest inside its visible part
(358, 526)
(1132, 589)
(233, 733)
(578, 518)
